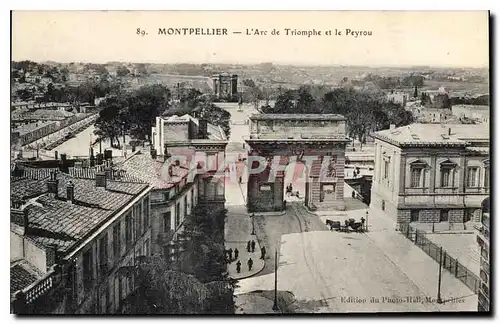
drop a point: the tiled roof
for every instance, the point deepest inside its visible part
(55, 221)
(142, 166)
(21, 276)
(429, 134)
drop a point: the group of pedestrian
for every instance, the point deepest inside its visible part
(250, 249)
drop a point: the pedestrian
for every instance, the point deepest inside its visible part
(238, 266)
(253, 246)
(263, 253)
(353, 194)
(248, 246)
(240, 180)
(236, 253)
(250, 264)
(230, 254)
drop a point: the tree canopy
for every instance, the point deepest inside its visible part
(364, 112)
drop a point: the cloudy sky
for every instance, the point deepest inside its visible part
(398, 38)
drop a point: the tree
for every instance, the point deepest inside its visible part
(415, 93)
(122, 71)
(201, 285)
(111, 118)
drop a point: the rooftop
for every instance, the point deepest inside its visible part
(56, 221)
(296, 117)
(153, 171)
(214, 132)
(22, 274)
(435, 134)
(28, 128)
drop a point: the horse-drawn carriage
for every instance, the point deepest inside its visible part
(348, 226)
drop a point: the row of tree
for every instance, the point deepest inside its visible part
(131, 113)
(364, 112)
(197, 281)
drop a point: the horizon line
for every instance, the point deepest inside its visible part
(297, 64)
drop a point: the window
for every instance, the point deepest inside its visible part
(166, 195)
(443, 217)
(116, 241)
(445, 177)
(177, 215)
(103, 254)
(414, 214)
(167, 218)
(88, 273)
(128, 230)
(192, 198)
(146, 248)
(487, 177)
(145, 213)
(416, 174)
(211, 161)
(137, 221)
(472, 177)
(386, 169)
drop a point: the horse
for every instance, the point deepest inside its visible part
(333, 224)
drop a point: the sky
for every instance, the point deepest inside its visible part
(398, 38)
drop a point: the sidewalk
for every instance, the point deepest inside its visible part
(421, 269)
(238, 231)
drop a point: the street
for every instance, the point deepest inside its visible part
(328, 271)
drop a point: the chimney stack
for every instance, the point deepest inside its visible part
(100, 179)
(70, 192)
(202, 128)
(63, 166)
(99, 159)
(53, 184)
(108, 170)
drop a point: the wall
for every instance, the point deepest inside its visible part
(175, 131)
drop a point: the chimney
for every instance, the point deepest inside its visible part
(449, 131)
(53, 184)
(70, 192)
(392, 127)
(108, 170)
(153, 154)
(100, 179)
(26, 221)
(202, 128)
(63, 166)
(99, 159)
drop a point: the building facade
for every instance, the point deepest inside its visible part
(483, 239)
(186, 168)
(431, 173)
(76, 240)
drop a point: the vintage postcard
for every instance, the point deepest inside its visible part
(231, 162)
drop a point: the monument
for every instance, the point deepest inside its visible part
(276, 140)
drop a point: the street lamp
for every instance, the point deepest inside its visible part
(275, 305)
(367, 214)
(253, 226)
(439, 300)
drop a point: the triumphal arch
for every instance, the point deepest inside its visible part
(276, 140)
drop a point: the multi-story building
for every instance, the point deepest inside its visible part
(431, 173)
(483, 238)
(73, 237)
(181, 165)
